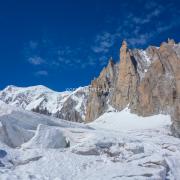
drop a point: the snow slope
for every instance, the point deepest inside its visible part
(110, 148)
(125, 120)
(5, 109)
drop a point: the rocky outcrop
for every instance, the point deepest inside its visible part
(100, 90)
(127, 78)
(148, 81)
(157, 92)
(74, 107)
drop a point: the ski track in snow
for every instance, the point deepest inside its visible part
(118, 145)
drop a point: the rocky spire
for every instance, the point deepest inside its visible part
(171, 41)
(123, 50)
(124, 44)
(110, 62)
(125, 85)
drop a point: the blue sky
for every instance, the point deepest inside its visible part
(65, 43)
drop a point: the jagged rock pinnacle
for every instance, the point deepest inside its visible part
(123, 51)
(124, 44)
(171, 41)
(111, 62)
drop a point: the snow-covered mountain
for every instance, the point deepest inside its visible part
(35, 146)
(69, 105)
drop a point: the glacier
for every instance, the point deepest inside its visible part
(115, 146)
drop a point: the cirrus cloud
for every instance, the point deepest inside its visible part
(41, 73)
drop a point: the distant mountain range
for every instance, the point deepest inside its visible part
(69, 105)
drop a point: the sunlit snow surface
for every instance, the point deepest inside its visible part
(125, 120)
(109, 148)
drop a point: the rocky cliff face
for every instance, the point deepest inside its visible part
(99, 92)
(158, 90)
(127, 79)
(148, 81)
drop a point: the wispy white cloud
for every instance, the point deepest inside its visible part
(137, 28)
(103, 42)
(162, 28)
(46, 54)
(33, 44)
(36, 60)
(134, 27)
(147, 18)
(151, 4)
(41, 73)
(74, 57)
(141, 39)
(103, 60)
(89, 62)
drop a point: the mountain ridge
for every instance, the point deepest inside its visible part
(147, 89)
(46, 101)
(147, 81)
